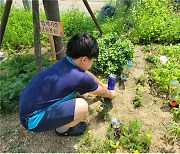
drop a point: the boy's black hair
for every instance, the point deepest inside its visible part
(82, 45)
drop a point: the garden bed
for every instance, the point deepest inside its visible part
(153, 114)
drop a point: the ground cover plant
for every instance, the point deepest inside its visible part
(161, 74)
(131, 138)
(17, 71)
(154, 21)
(19, 30)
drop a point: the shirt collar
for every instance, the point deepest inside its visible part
(70, 60)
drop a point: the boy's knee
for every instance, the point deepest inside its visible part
(81, 105)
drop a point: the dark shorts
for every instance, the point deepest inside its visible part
(56, 116)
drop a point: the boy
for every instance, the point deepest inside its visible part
(46, 102)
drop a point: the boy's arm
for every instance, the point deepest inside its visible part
(102, 90)
(95, 78)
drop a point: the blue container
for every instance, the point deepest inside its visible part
(111, 81)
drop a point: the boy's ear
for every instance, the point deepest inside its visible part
(84, 59)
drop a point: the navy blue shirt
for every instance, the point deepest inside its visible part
(53, 84)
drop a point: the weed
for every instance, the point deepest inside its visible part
(174, 129)
(176, 113)
(17, 71)
(140, 89)
(141, 80)
(137, 101)
(131, 138)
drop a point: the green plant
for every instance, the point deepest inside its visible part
(115, 51)
(174, 129)
(19, 30)
(176, 113)
(93, 144)
(154, 22)
(131, 139)
(16, 73)
(76, 21)
(137, 101)
(141, 80)
(161, 74)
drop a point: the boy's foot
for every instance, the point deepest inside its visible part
(74, 131)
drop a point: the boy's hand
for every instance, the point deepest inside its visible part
(113, 94)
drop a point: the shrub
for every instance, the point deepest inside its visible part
(75, 22)
(155, 22)
(115, 51)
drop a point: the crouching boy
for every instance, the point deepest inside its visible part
(47, 101)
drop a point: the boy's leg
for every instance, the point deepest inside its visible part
(81, 109)
(66, 114)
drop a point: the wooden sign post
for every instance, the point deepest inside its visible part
(52, 28)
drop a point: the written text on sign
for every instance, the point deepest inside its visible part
(52, 28)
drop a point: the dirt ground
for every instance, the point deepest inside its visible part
(153, 114)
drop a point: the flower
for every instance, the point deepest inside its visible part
(148, 135)
(89, 131)
(136, 151)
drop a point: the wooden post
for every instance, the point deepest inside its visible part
(51, 8)
(92, 15)
(53, 52)
(4, 19)
(37, 43)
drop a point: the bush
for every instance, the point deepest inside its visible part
(155, 22)
(75, 22)
(115, 51)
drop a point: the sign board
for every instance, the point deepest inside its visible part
(52, 28)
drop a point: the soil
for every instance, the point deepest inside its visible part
(153, 114)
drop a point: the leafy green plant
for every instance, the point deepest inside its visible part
(76, 21)
(19, 30)
(137, 101)
(16, 73)
(155, 22)
(141, 80)
(174, 129)
(131, 138)
(161, 74)
(176, 113)
(115, 51)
